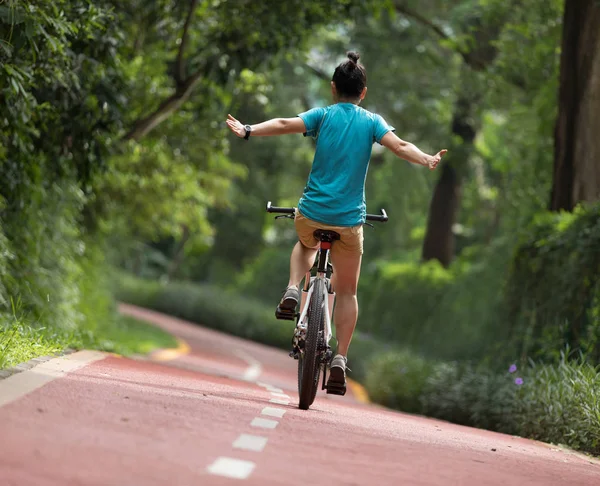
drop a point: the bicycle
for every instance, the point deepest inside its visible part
(310, 343)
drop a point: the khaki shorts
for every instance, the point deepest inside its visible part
(351, 237)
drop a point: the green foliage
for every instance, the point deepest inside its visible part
(60, 93)
(556, 403)
(398, 299)
(126, 336)
(442, 313)
(266, 277)
(559, 403)
(207, 305)
(471, 395)
(554, 285)
(20, 342)
(153, 191)
(43, 272)
(397, 379)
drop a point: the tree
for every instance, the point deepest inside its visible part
(474, 43)
(577, 142)
(484, 34)
(216, 41)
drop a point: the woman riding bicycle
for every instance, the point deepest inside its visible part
(334, 196)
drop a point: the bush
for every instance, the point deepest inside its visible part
(207, 305)
(555, 403)
(465, 394)
(561, 404)
(267, 275)
(447, 314)
(45, 246)
(553, 293)
(54, 287)
(396, 302)
(396, 379)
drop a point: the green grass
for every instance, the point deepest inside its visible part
(127, 336)
(209, 306)
(20, 342)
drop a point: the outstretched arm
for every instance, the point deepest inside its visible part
(275, 126)
(408, 151)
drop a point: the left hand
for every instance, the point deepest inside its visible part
(236, 126)
(435, 160)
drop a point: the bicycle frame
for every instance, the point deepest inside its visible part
(328, 300)
(329, 292)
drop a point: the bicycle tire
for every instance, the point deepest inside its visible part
(309, 367)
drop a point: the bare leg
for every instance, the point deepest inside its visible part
(301, 261)
(346, 273)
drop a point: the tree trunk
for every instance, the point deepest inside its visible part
(439, 238)
(445, 203)
(577, 134)
(177, 259)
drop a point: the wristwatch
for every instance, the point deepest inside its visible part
(248, 130)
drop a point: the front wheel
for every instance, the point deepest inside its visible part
(309, 364)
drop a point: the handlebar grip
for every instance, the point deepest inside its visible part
(382, 218)
(275, 209)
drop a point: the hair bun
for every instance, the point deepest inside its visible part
(353, 56)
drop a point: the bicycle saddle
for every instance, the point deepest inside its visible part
(326, 235)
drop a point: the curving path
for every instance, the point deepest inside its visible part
(222, 411)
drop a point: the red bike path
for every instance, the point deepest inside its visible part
(223, 411)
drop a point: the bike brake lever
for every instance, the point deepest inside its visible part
(284, 216)
(369, 224)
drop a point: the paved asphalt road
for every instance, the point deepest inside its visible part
(223, 411)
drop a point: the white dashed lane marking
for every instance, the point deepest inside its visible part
(231, 468)
(277, 401)
(264, 423)
(273, 412)
(248, 442)
(254, 367)
(237, 468)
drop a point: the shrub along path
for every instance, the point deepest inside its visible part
(220, 412)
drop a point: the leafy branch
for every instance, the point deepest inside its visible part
(185, 87)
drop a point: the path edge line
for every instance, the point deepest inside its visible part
(359, 391)
(169, 354)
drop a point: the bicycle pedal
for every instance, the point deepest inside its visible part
(336, 389)
(285, 315)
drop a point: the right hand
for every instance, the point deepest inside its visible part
(435, 159)
(236, 126)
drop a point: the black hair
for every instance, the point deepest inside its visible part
(349, 77)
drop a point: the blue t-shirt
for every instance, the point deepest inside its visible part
(335, 191)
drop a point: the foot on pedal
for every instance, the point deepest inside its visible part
(286, 309)
(285, 314)
(336, 384)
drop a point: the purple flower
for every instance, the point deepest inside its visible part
(513, 368)
(518, 381)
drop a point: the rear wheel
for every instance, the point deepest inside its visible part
(309, 365)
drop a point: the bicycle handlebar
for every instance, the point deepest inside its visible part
(382, 217)
(275, 209)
